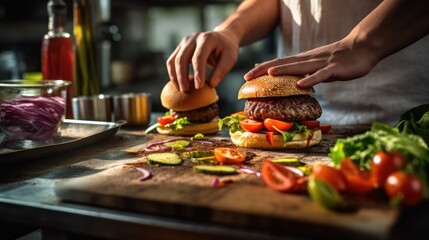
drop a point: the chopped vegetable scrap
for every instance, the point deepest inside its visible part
(145, 173)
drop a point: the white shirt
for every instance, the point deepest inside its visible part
(396, 84)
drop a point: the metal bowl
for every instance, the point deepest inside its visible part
(135, 108)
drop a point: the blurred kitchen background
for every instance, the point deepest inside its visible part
(133, 39)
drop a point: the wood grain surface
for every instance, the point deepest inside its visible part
(243, 202)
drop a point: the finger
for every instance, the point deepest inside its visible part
(323, 75)
(297, 68)
(171, 68)
(262, 68)
(182, 61)
(225, 64)
(203, 49)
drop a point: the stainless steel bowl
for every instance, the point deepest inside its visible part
(135, 108)
(96, 108)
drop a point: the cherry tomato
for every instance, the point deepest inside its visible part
(325, 128)
(164, 120)
(229, 155)
(383, 164)
(270, 123)
(250, 125)
(311, 124)
(330, 175)
(406, 188)
(279, 178)
(269, 136)
(357, 181)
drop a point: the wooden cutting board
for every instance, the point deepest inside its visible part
(244, 201)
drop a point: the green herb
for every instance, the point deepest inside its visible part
(179, 123)
(233, 122)
(415, 121)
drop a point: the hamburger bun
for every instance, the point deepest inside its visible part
(258, 140)
(171, 98)
(272, 86)
(190, 130)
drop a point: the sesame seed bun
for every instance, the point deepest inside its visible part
(272, 86)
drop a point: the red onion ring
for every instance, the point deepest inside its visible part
(145, 173)
(249, 171)
(215, 182)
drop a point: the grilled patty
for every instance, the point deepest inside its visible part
(200, 115)
(291, 109)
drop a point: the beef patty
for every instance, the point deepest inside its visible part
(200, 115)
(291, 109)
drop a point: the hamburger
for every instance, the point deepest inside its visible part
(277, 115)
(195, 111)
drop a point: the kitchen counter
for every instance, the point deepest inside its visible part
(100, 210)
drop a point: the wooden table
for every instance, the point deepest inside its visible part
(94, 192)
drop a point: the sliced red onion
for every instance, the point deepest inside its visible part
(249, 171)
(145, 173)
(295, 170)
(215, 182)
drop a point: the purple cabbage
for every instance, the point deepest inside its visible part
(32, 118)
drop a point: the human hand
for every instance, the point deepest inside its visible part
(340, 61)
(215, 48)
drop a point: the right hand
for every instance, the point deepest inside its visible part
(218, 49)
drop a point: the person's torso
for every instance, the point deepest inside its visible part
(396, 84)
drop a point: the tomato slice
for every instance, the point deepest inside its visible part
(270, 123)
(229, 155)
(330, 175)
(164, 120)
(279, 178)
(357, 181)
(250, 125)
(325, 128)
(311, 124)
(270, 137)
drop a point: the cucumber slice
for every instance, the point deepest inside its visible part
(169, 159)
(197, 154)
(215, 169)
(205, 160)
(292, 162)
(177, 145)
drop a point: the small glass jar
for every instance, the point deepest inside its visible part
(31, 112)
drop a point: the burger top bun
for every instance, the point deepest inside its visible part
(259, 141)
(171, 98)
(272, 86)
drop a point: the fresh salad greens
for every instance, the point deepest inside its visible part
(409, 136)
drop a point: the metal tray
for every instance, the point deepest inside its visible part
(74, 134)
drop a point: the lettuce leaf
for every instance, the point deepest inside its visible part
(179, 123)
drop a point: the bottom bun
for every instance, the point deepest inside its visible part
(258, 140)
(192, 129)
